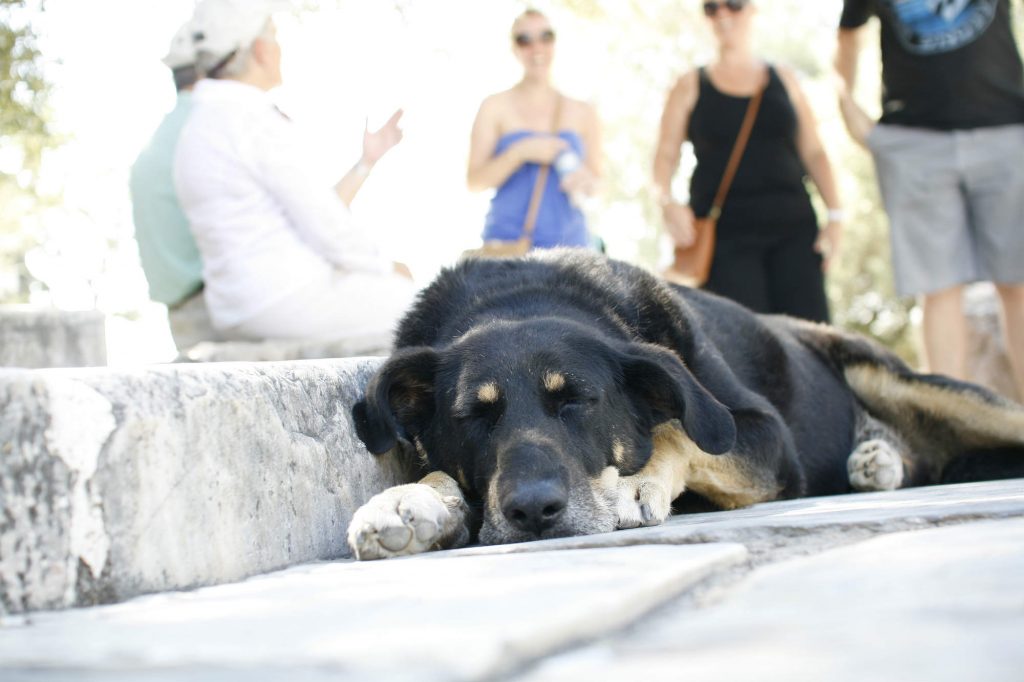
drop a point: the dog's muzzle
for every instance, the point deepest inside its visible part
(533, 489)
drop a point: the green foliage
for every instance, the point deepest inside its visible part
(24, 137)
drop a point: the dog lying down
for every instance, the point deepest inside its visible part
(567, 394)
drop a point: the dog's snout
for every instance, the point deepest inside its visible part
(535, 506)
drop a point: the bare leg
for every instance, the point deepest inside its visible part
(945, 332)
(1012, 296)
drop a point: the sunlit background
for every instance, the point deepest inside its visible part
(346, 61)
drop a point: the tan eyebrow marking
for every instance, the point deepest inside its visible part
(487, 393)
(554, 381)
(618, 452)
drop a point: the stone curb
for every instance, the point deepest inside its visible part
(40, 337)
(118, 483)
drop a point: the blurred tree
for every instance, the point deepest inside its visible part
(24, 136)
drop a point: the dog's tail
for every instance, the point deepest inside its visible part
(955, 430)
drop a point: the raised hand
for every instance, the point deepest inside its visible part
(376, 144)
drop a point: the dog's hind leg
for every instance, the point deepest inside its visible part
(409, 519)
(940, 420)
(878, 460)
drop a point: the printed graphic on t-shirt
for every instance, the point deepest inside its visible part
(933, 26)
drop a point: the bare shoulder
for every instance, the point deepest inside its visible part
(789, 77)
(499, 101)
(578, 109)
(684, 90)
(682, 96)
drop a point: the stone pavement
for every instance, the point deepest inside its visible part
(924, 584)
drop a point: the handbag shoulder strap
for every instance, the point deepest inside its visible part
(737, 151)
(542, 179)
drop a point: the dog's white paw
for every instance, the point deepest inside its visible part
(642, 501)
(875, 465)
(406, 519)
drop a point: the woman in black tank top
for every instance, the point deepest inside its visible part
(769, 253)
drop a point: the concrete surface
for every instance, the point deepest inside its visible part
(939, 604)
(120, 483)
(426, 618)
(820, 589)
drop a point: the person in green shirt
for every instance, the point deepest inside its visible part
(167, 250)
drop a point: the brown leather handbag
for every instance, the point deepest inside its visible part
(496, 248)
(692, 264)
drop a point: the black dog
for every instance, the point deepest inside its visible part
(566, 394)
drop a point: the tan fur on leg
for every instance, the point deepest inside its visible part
(677, 465)
(970, 422)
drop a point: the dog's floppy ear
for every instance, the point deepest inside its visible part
(399, 399)
(663, 389)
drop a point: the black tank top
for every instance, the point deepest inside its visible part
(767, 196)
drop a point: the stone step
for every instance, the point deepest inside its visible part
(944, 605)
(116, 483)
(423, 618)
(289, 349)
(35, 337)
(861, 599)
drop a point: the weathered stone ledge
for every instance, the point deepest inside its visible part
(41, 337)
(119, 483)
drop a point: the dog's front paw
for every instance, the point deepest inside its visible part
(875, 465)
(642, 501)
(407, 519)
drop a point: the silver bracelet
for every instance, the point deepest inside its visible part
(836, 215)
(361, 169)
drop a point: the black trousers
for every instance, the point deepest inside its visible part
(772, 276)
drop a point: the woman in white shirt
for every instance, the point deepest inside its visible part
(282, 256)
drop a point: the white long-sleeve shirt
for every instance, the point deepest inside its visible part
(265, 222)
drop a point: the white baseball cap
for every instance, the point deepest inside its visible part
(219, 27)
(182, 51)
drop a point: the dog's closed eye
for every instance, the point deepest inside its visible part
(568, 404)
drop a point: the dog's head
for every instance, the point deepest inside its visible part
(535, 419)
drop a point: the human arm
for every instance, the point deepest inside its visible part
(848, 47)
(586, 179)
(487, 170)
(675, 118)
(281, 160)
(375, 146)
(819, 168)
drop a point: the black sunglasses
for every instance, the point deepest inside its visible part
(711, 8)
(525, 39)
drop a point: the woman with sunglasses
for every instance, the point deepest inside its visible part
(769, 254)
(522, 129)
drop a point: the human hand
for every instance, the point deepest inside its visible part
(828, 243)
(539, 148)
(401, 269)
(678, 220)
(581, 182)
(378, 143)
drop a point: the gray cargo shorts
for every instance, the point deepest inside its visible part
(955, 201)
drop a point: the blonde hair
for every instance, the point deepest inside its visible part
(528, 12)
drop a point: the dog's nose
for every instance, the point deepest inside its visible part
(535, 506)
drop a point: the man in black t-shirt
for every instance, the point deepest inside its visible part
(949, 155)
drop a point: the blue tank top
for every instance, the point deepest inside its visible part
(559, 223)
